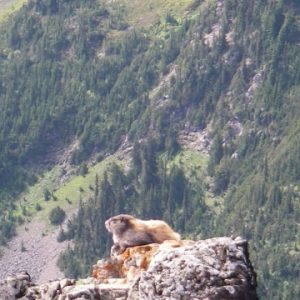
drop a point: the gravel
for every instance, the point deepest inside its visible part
(40, 254)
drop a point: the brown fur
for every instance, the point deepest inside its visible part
(129, 231)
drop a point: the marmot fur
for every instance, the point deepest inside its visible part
(129, 231)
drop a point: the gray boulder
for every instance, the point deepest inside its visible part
(212, 269)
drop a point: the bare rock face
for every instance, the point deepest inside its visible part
(212, 269)
(217, 268)
(14, 286)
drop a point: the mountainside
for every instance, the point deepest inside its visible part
(197, 99)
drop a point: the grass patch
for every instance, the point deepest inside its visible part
(65, 195)
(144, 13)
(192, 161)
(194, 165)
(9, 7)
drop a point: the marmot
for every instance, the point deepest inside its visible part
(129, 231)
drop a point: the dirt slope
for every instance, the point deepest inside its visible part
(39, 254)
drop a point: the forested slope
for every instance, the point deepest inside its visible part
(227, 70)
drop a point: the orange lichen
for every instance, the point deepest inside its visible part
(130, 263)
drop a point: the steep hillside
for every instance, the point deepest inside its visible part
(203, 93)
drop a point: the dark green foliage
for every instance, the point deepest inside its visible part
(62, 78)
(83, 169)
(47, 195)
(61, 236)
(71, 92)
(216, 154)
(170, 19)
(57, 216)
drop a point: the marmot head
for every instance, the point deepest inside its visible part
(118, 224)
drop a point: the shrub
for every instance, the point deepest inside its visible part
(38, 207)
(47, 195)
(57, 216)
(61, 236)
(83, 169)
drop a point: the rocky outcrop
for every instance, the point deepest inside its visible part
(217, 268)
(211, 269)
(21, 287)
